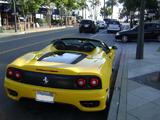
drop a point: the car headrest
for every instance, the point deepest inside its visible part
(60, 45)
(85, 47)
(88, 47)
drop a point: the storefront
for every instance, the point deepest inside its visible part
(6, 18)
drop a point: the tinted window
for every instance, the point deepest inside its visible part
(148, 26)
(86, 22)
(114, 22)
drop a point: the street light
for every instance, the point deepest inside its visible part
(15, 15)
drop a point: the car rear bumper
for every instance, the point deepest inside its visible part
(113, 30)
(86, 29)
(72, 97)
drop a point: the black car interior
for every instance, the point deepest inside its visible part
(77, 44)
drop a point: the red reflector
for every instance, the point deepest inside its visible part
(18, 75)
(81, 82)
(10, 72)
(94, 82)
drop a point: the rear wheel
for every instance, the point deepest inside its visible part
(158, 38)
(124, 39)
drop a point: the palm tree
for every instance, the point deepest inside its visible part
(111, 3)
(94, 4)
(83, 5)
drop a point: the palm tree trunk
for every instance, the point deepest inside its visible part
(112, 10)
(104, 7)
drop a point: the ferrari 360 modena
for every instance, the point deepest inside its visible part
(75, 71)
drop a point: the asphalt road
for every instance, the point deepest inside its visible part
(13, 47)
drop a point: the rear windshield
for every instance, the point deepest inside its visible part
(114, 22)
(62, 57)
(100, 21)
(86, 21)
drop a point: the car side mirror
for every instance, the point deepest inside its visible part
(114, 47)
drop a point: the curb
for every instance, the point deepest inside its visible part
(118, 106)
(33, 31)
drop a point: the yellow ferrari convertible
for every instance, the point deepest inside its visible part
(75, 71)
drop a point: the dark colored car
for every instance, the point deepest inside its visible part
(88, 26)
(107, 20)
(151, 32)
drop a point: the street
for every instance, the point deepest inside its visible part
(13, 47)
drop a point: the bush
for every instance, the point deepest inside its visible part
(57, 22)
(40, 21)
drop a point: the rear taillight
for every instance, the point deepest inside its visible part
(81, 82)
(18, 74)
(94, 82)
(89, 83)
(10, 72)
(14, 74)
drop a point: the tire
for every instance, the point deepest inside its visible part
(158, 38)
(124, 38)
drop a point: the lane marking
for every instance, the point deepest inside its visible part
(96, 34)
(62, 30)
(28, 45)
(25, 46)
(36, 43)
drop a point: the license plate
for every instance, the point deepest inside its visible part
(44, 97)
(86, 25)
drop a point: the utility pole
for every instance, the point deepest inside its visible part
(140, 41)
(15, 15)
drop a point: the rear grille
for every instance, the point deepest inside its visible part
(49, 80)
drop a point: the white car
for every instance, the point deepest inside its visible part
(101, 24)
(125, 26)
(113, 26)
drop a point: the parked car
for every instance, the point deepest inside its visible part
(151, 32)
(88, 26)
(75, 71)
(107, 20)
(101, 24)
(113, 26)
(125, 26)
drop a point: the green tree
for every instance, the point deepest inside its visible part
(82, 5)
(107, 11)
(29, 6)
(110, 4)
(134, 5)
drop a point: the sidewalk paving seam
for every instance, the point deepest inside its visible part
(142, 105)
(133, 116)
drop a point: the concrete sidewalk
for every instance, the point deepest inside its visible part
(143, 101)
(8, 33)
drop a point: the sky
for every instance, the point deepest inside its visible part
(115, 11)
